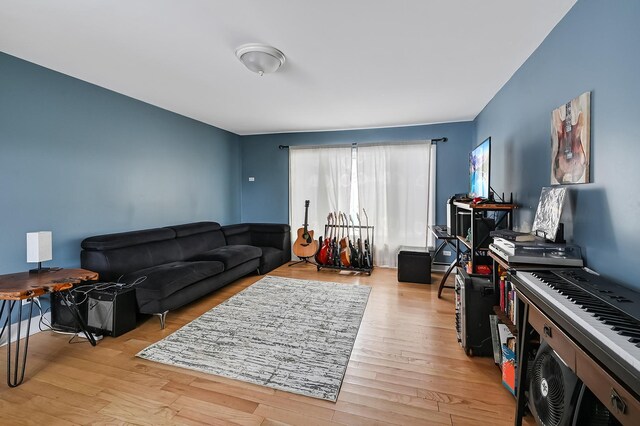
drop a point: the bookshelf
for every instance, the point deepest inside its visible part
(507, 313)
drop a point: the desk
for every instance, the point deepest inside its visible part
(595, 364)
(25, 286)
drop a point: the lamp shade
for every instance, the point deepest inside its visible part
(260, 58)
(39, 246)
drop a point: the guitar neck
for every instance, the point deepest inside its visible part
(306, 217)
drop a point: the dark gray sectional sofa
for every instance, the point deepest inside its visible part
(185, 262)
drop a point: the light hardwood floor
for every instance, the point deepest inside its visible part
(406, 368)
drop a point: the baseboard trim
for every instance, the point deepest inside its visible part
(35, 321)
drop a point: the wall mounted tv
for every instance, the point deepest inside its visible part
(480, 170)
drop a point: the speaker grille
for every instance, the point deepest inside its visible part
(100, 315)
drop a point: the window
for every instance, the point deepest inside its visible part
(395, 183)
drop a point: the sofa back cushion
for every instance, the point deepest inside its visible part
(196, 238)
(114, 255)
(238, 234)
(127, 239)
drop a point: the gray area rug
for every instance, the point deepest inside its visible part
(288, 334)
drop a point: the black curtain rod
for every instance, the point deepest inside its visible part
(436, 140)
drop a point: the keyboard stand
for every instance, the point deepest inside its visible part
(446, 240)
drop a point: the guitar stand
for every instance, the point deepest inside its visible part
(303, 260)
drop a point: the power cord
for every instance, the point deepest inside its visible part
(85, 289)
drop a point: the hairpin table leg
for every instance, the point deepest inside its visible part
(15, 372)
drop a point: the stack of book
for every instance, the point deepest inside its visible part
(508, 299)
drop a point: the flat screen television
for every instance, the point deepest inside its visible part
(480, 170)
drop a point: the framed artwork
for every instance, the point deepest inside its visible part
(571, 141)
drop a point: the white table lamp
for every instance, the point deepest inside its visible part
(39, 249)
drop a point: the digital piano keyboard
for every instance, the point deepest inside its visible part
(597, 331)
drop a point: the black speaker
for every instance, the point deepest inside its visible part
(111, 312)
(474, 298)
(61, 317)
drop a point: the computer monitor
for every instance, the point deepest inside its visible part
(480, 170)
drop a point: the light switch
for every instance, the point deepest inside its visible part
(252, 179)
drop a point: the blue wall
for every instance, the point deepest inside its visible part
(80, 160)
(594, 48)
(267, 199)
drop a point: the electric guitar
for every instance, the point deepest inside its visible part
(345, 250)
(354, 247)
(305, 246)
(322, 257)
(336, 238)
(360, 240)
(368, 256)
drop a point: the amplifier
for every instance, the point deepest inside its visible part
(61, 317)
(111, 312)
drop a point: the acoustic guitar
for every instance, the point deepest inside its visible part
(305, 246)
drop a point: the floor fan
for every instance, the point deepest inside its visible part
(553, 389)
(558, 398)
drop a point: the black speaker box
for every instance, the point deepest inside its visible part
(475, 298)
(111, 312)
(61, 317)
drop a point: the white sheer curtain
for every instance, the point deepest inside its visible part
(396, 186)
(321, 175)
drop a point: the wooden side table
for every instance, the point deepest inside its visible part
(25, 286)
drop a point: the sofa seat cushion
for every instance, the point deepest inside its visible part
(164, 280)
(231, 256)
(271, 259)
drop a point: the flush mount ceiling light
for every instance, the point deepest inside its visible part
(260, 58)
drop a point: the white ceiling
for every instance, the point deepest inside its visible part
(350, 64)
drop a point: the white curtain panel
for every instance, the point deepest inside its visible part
(431, 212)
(321, 175)
(395, 184)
